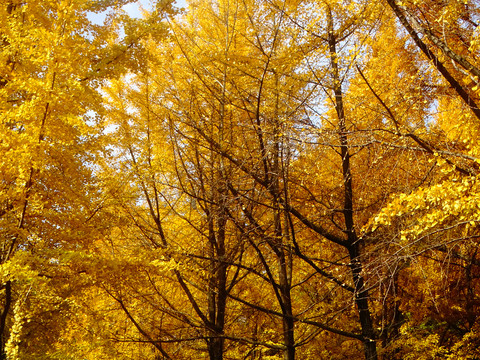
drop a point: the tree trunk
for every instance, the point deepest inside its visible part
(353, 243)
(217, 291)
(3, 318)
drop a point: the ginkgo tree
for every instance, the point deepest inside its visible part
(244, 179)
(434, 226)
(224, 93)
(200, 173)
(52, 60)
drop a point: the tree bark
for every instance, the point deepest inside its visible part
(353, 243)
(467, 99)
(217, 291)
(3, 318)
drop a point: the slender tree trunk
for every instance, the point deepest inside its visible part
(288, 323)
(8, 285)
(284, 282)
(361, 300)
(464, 95)
(217, 291)
(284, 266)
(353, 243)
(3, 318)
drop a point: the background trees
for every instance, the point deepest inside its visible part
(52, 62)
(242, 180)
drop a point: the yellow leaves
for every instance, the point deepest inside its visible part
(17, 269)
(165, 264)
(242, 74)
(47, 150)
(425, 349)
(451, 204)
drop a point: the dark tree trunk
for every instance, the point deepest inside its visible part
(353, 243)
(3, 319)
